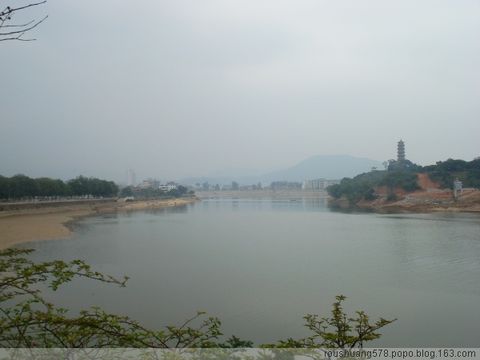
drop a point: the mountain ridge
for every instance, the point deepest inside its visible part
(331, 167)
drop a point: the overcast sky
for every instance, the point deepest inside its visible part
(212, 87)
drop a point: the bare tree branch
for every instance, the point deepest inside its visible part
(17, 31)
(9, 10)
(18, 26)
(25, 29)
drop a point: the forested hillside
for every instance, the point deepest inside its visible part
(362, 187)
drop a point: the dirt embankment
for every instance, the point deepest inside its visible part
(430, 197)
(49, 221)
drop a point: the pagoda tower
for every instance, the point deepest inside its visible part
(400, 151)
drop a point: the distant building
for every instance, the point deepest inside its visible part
(285, 185)
(401, 151)
(146, 184)
(317, 184)
(168, 186)
(401, 163)
(457, 188)
(149, 184)
(131, 178)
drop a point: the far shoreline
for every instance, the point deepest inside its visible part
(54, 222)
(407, 206)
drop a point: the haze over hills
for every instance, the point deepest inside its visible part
(320, 166)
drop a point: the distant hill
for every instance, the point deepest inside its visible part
(330, 167)
(324, 166)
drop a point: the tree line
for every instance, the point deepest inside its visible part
(23, 187)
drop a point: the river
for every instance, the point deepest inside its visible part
(260, 265)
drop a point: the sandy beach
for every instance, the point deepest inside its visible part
(51, 222)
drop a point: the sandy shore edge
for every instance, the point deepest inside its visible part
(50, 223)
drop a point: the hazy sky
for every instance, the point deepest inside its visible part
(210, 87)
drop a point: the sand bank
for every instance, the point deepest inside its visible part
(50, 222)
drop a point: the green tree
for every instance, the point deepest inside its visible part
(126, 191)
(22, 186)
(4, 187)
(335, 191)
(400, 179)
(82, 185)
(51, 187)
(338, 331)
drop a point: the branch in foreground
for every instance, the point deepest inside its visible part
(20, 29)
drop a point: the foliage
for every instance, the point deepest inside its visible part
(21, 186)
(126, 191)
(52, 187)
(445, 172)
(28, 320)
(363, 186)
(403, 165)
(358, 188)
(405, 180)
(339, 330)
(403, 175)
(178, 192)
(82, 185)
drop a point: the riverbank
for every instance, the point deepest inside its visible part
(433, 200)
(49, 222)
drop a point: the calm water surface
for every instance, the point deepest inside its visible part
(260, 265)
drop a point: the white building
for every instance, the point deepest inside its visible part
(131, 178)
(168, 186)
(318, 184)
